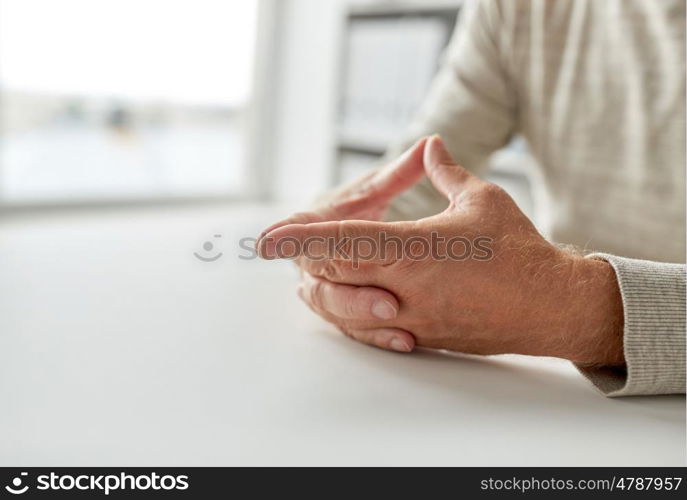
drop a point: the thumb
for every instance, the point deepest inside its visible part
(390, 181)
(446, 175)
(379, 189)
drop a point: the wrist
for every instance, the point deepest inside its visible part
(593, 329)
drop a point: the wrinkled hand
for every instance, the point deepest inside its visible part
(476, 278)
(367, 198)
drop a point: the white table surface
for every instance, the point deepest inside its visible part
(118, 347)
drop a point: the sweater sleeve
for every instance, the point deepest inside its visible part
(471, 104)
(653, 295)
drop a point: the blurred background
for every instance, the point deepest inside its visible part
(114, 103)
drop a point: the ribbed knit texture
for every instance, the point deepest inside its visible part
(653, 296)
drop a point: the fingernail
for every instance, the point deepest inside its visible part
(267, 249)
(383, 309)
(257, 242)
(439, 141)
(399, 345)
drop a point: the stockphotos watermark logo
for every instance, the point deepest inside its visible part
(18, 486)
(382, 248)
(97, 483)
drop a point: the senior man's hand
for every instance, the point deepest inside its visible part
(476, 278)
(365, 199)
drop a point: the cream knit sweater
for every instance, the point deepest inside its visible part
(597, 88)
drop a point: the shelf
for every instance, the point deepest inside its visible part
(362, 9)
(362, 145)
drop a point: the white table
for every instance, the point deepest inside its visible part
(118, 347)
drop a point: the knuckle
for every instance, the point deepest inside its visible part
(402, 267)
(343, 330)
(491, 191)
(310, 266)
(326, 268)
(330, 270)
(317, 289)
(345, 234)
(350, 307)
(357, 335)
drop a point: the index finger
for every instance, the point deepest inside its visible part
(376, 242)
(297, 218)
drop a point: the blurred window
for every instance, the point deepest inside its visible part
(120, 99)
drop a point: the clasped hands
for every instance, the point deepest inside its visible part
(476, 278)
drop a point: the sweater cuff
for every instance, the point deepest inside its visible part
(653, 295)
